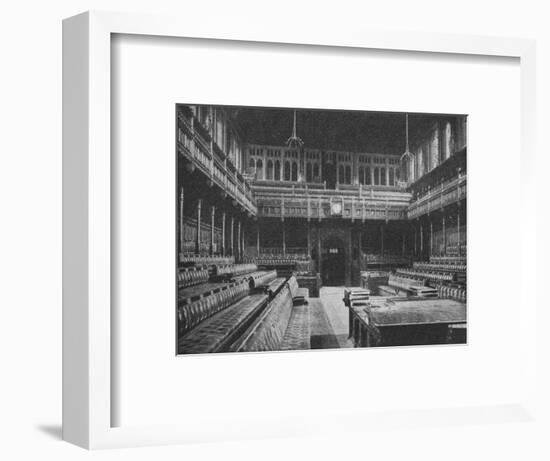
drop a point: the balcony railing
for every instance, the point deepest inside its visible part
(212, 161)
(324, 204)
(444, 194)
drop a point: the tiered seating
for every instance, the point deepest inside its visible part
(448, 260)
(430, 276)
(261, 278)
(192, 313)
(285, 264)
(431, 267)
(229, 271)
(198, 260)
(275, 286)
(192, 276)
(266, 334)
(452, 292)
(218, 332)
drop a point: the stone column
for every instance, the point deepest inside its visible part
(372, 175)
(387, 174)
(198, 239)
(415, 247)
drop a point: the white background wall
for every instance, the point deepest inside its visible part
(30, 224)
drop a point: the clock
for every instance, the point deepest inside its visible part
(336, 208)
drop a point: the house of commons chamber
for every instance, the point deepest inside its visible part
(319, 229)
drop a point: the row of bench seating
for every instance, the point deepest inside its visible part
(245, 318)
(452, 292)
(430, 276)
(233, 270)
(192, 276)
(442, 267)
(460, 260)
(198, 260)
(190, 315)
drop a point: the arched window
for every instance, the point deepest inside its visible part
(348, 174)
(251, 163)
(376, 176)
(383, 176)
(341, 177)
(367, 176)
(316, 171)
(259, 169)
(277, 170)
(361, 175)
(269, 173)
(309, 172)
(287, 171)
(294, 171)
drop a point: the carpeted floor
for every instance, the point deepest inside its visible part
(329, 320)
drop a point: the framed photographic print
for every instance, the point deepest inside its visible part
(257, 221)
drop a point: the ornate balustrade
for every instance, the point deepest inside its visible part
(356, 204)
(444, 194)
(196, 145)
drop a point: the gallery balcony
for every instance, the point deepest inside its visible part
(436, 198)
(279, 200)
(202, 153)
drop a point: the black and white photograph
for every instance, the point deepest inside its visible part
(304, 229)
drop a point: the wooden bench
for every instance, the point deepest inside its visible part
(219, 331)
(191, 314)
(192, 276)
(298, 332)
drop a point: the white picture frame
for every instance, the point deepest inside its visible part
(87, 365)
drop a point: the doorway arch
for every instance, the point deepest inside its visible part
(333, 262)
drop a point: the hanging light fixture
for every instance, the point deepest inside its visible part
(294, 141)
(407, 154)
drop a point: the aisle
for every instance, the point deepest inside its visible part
(329, 320)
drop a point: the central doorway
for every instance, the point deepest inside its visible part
(333, 262)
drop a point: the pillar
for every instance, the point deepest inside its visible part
(198, 239)
(232, 235)
(319, 256)
(458, 230)
(415, 252)
(382, 239)
(431, 237)
(284, 238)
(258, 239)
(213, 229)
(239, 239)
(223, 234)
(308, 240)
(243, 247)
(387, 174)
(181, 233)
(421, 241)
(444, 237)
(372, 175)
